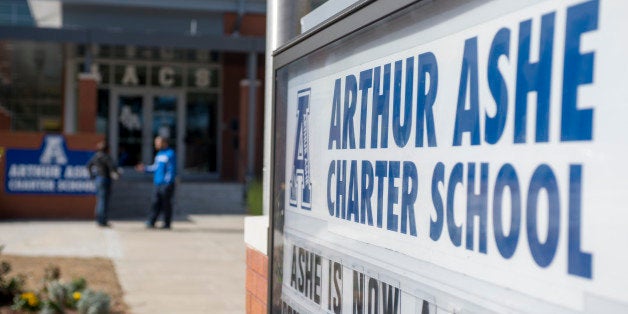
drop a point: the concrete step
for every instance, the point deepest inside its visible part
(131, 198)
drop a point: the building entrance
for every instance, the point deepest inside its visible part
(144, 92)
(137, 116)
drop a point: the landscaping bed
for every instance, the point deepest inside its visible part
(99, 274)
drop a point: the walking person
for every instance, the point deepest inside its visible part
(165, 171)
(102, 170)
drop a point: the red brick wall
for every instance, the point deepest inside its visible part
(234, 66)
(233, 72)
(256, 281)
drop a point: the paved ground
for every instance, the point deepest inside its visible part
(197, 267)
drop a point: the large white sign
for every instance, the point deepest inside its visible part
(483, 170)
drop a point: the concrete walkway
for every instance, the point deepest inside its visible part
(197, 267)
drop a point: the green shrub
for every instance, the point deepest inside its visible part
(93, 303)
(77, 285)
(9, 286)
(57, 292)
(254, 197)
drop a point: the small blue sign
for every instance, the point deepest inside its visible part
(51, 169)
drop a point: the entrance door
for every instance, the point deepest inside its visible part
(168, 120)
(136, 117)
(127, 118)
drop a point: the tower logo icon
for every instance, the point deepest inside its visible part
(300, 179)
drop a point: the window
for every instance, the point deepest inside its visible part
(31, 85)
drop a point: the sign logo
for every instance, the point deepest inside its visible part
(51, 169)
(300, 180)
(53, 151)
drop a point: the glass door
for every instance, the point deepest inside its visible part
(167, 120)
(137, 116)
(128, 114)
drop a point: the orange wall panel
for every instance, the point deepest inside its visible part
(87, 104)
(251, 24)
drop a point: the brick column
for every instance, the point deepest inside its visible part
(256, 281)
(87, 102)
(255, 237)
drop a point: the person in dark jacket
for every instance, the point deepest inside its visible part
(102, 169)
(165, 172)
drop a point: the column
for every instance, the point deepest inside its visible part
(87, 102)
(69, 103)
(252, 78)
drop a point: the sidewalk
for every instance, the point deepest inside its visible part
(197, 267)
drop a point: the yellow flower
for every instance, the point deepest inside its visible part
(30, 298)
(76, 296)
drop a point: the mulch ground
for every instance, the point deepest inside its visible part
(98, 272)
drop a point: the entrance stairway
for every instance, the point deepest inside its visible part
(131, 197)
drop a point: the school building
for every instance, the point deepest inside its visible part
(127, 71)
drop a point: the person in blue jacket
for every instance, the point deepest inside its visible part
(164, 169)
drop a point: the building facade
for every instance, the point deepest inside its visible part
(160, 68)
(127, 71)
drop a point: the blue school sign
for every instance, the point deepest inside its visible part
(51, 169)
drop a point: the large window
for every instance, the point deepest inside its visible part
(31, 85)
